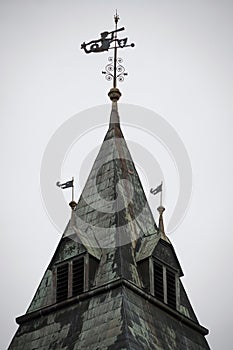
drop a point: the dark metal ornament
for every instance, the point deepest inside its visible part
(104, 43)
(114, 70)
(120, 70)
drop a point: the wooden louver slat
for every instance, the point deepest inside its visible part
(171, 289)
(62, 283)
(158, 281)
(78, 277)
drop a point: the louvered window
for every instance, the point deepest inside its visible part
(165, 284)
(158, 281)
(78, 276)
(171, 288)
(70, 279)
(62, 282)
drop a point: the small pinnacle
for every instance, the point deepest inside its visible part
(161, 224)
(114, 94)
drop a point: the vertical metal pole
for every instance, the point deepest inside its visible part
(116, 17)
(161, 195)
(73, 189)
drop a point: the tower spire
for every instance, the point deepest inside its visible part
(111, 263)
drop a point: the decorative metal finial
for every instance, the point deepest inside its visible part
(154, 191)
(116, 17)
(114, 70)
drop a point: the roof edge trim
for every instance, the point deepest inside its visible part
(112, 285)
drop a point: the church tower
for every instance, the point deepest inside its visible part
(114, 281)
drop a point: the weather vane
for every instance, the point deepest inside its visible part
(109, 40)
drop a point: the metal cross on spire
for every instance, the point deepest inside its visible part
(109, 40)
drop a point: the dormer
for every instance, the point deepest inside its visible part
(70, 273)
(161, 273)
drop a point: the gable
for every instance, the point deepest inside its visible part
(67, 249)
(165, 252)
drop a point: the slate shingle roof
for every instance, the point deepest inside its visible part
(113, 226)
(118, 317)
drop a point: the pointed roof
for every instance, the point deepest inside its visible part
(113, 212)
(113, 195)
(113, 227)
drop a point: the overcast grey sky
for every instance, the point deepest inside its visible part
(181, 68)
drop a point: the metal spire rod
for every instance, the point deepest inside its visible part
(73, 190)
(72, 204)
(161, 195)
(116, 18)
